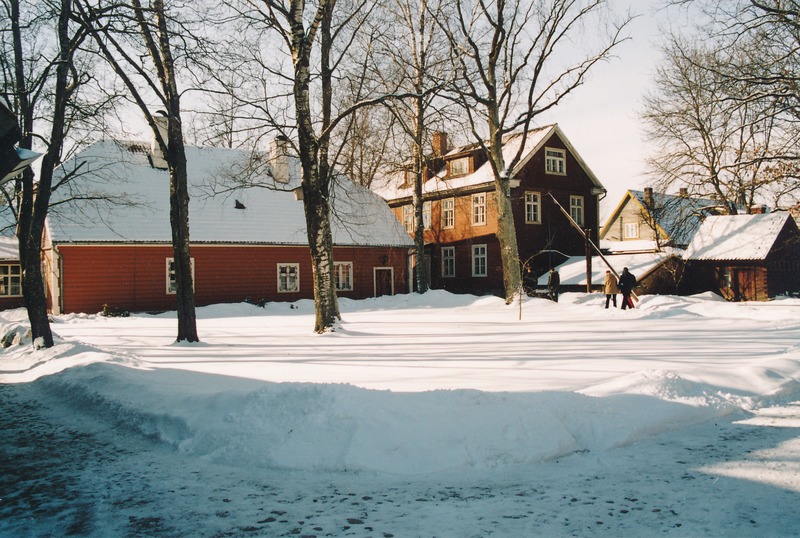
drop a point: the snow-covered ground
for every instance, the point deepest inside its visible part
(434, 415)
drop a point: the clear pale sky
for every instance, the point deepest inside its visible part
(601, 118)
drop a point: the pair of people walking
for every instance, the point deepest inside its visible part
(625, 286)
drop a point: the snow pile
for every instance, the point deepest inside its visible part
(219, 401)
(346, 428)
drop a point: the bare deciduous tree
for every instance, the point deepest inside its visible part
(417, 60)
(708, 139)
(315, 48)
(126, 34)
(42, 77)
(518, 59)
(756, 45)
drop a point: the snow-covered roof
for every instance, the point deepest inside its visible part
(630, 246)
(267, 214)
(573, 271)
(736, 237)
(390, 187)
(9, 248)
(678, 217)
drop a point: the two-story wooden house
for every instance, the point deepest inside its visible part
(460, 213)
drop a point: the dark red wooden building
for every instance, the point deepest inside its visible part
(246, 244)
(745, 257)
(460, 212)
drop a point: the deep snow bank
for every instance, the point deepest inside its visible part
(341, 427)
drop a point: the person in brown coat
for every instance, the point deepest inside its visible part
(610, 288)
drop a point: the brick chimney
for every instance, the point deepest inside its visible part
(759, 209)
(439, 143)
(648, 196)
(683, 192)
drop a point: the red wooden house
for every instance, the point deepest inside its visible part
(460, 213)
(246, 245)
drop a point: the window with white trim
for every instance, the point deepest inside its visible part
(555, 161)
(408, 218)
(479, 209)
(448, 212)
(632, 230)
(426, 215)
(459, 167)
(576, 209)
(533, 207)
(172, 282)
(288, 277)
(10, 280)
(479, 260)
(343, 273)
(448, 261)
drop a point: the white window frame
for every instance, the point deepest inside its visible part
(631, 230)
(172, 286)
(296, 267)
(10, 280)
(480, 260)
(426, 215)
(459, 166)
(576, 209)
(408, 218)
(555, 160)
(479, 209)
(448, 262)
(343, 273)
(533, 207)
(449, 213)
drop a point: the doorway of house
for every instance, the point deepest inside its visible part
(745, 282)
(384, 281)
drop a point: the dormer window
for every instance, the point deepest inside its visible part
(459, 167)
(555, 161)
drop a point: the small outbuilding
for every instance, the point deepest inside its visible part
(745, 257)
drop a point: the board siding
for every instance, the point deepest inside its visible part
(133, 277)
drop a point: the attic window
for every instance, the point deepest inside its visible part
(459, 167)
(555, 161)
(239, 205)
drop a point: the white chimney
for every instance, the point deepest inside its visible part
(279, 158)
(156, 155)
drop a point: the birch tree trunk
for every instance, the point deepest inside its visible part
(175, 153)
(315, 170)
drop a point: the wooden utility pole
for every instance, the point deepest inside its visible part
(589, 244)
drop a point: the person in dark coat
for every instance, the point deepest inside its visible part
(626, 284)
(553, 282)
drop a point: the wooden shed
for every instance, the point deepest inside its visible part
(745, 257)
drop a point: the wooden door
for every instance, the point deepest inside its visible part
(384, 281)
(745, 284)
